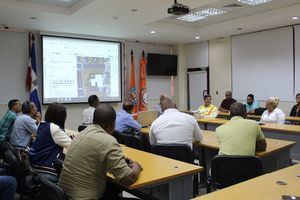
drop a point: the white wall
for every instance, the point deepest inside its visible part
(220, 73)
(220, 68)
(156, 85)
(13, 69)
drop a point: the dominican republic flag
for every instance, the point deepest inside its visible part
(132, 88)
(31, 79)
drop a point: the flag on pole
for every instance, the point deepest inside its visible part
(31, 79)
(143, 99)
(132, 87)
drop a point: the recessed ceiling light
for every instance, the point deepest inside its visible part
(254, 2)
(295, 18)
(97, 25)
(33, 18)
(202, 14)
(152, 32)
(197, 37)
(133, 10)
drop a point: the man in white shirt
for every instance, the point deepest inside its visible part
(273, 114)
(174, 127)
(88, 114)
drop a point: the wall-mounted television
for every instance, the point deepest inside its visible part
(162, 65)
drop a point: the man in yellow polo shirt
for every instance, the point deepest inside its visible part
(240, 136)
(208, 110)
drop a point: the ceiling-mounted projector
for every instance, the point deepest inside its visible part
(178, 9)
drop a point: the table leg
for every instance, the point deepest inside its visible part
(181, 188)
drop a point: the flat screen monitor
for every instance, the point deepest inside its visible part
(162, 65)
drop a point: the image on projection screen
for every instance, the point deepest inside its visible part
(74, 69)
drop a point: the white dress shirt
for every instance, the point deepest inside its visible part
(88, 115)
(276, 116)
(175, 127)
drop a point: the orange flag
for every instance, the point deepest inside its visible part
(143, 99)
(132, 88)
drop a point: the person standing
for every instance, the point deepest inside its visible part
(88, 113)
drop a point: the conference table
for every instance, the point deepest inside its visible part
(264, 187)
(275, 131)
(161, 177)
(226, 115)
(276, 156)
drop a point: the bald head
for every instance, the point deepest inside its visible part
(237, 109)
(166, 104)
(105, 116)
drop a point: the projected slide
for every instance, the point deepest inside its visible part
(74, 69)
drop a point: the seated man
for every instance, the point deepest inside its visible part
(251, 104)
(227, 102)
(25, 125)
(174, 127)
(7, 122)
(158, 106)
(125, 121)
(240, 136)
(92, 154)
(87, 114)
(208, 110)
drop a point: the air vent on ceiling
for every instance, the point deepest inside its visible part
(233, 5)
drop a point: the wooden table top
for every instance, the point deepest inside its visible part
(268, 126)
(264, 187)
(210, 141)
(273, 145)
(257, 117)
(157, 169)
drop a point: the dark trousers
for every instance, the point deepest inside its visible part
(113, 192)
(8, 186)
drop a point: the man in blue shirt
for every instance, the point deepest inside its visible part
(251, 104)
(125, 121)
(25, 125)
(7, 122)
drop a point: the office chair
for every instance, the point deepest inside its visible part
(19, 168)
(134, 140)
(81, 127)
(230, 170)
(181, 152)
(52, 191)
(259, 111)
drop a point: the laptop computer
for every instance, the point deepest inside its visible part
(145, 118)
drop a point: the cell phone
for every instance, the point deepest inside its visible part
(287, 197)
(261, 123)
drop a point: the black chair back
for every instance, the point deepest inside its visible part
(118, 137)
(180, 152)
(259, 111)
(230, 170)
(51, 190)
(134, 140)
(81, 127)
